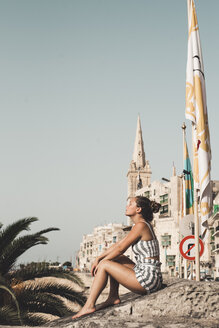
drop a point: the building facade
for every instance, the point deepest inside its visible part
(97, 242)
(166, 222)
(214, 231)
(170, 228)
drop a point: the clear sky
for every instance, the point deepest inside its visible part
(74, 76)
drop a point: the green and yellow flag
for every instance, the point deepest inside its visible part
(188, 192)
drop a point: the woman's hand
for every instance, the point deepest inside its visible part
(94, 267)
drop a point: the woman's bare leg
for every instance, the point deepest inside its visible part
(113, 297)
(120, 273)
(99, 283)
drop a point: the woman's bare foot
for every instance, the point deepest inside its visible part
(84, 311)
(110, 301)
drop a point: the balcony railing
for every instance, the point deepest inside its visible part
(216, 250)
(163, 201)
(171, 257)
(216, 232)
(165, 243)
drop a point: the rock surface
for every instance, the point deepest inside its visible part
(181, 303)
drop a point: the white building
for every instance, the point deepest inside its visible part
(214, 231)
(100, 240)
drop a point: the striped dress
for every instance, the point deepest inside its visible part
(148, 271)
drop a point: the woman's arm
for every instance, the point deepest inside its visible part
(101, 257)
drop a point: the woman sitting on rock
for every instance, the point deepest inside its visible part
(141, 278)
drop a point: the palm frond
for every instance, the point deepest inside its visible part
(11, 232)
(15, 301)
(35, 301)
(18, 247)
(55, 287)
(38, 318)
(74, 278)
(5, 286)
(41, 232)
(8, 316)
(4, 281)
(42, 269)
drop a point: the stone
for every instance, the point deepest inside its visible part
(180, 304)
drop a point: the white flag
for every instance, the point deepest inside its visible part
(196, 111)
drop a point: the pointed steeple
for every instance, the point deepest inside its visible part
(139, 173)
(139, 154)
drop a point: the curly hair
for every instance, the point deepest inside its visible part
(148, 207)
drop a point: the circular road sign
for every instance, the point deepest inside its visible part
(187, 247)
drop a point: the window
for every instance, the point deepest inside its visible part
(164, 198)
(193, 229)
(170, 260)
(100, 248)
(114, 239)
(164, 209)
(147, 194)
(166, 240)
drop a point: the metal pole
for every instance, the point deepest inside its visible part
(196, 216)
(180, 266)
(184, 199)
(185, 269)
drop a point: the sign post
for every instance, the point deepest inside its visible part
(188, 250)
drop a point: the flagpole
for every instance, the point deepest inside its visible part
(184, 195)
(196, 217)
(188, 4)
(184, 189)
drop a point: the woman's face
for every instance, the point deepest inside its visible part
(131, 207)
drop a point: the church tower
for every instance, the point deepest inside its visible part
(139, 173)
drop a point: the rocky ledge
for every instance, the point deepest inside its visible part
(181, 303)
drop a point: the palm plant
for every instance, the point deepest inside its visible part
(36, 293)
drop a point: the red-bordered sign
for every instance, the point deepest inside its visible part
(187, 244)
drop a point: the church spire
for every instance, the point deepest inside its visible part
(138, 154)
(139, 173)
